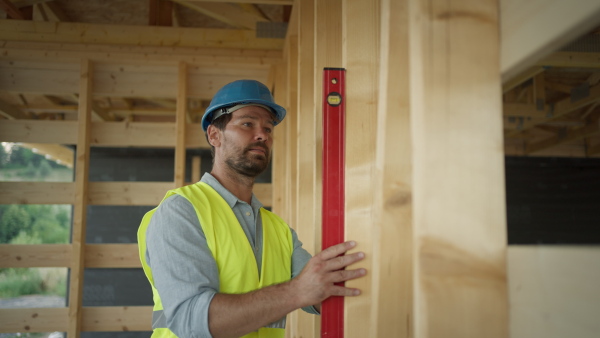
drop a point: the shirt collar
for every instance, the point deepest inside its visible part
(230, 198)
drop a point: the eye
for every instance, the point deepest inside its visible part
(247, 124)
(268, 130)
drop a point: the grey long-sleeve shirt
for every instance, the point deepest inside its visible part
(184, 270)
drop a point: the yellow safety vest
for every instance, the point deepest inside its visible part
(238, 271)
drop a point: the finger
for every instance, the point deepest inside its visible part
(344, 292)
(341, 262)
(336, 250)
(346, 275)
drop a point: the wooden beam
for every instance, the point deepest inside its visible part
(66, 32)
(59, 255)
(561, 108)
(61, 154)
(264, 2)
(94, 319)
(112, 256)
(392, 265)
(523, 110)
(82, 164)
(104, 134)
(39, 255)
(49, 52)
(117, 318)
(12, 10)
(11, 112)
(459, 216)
(227, 13)
(160, 13)
(37, 193)
(180, 128)
(569, 135)
(531, 30)
(280, 145)
(571, 60)
(33, 320)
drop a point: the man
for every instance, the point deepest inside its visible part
(220, 265)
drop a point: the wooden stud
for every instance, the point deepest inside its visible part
(280, 145)
(459, 211)
(306, 325)
(291, 129)
(82, 163)
(392, 257)
(361, 59)
(180, 129)
(196, 169)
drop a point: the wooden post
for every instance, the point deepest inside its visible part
(458, 170)
(361, 60)
(306, 146)
(280, 145)
(82, 163)
(391, 269)
(180, 126)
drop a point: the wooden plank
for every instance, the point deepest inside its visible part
(30, 131)
(531, 30)
(554, 291)
(67, 32)
(33, 320)
(306, 325)
(278, 166)
(392, 266)
(360, 39)
(95, 319)
(525, 75)
(458, 196)
(213, 57)
(180, 130)
(39, 255)
(100, 193)
(112, 256)
(105, 134)
(571, 60)
(59, 255)
(117, 318)
(523, 110)
(292, 129)
(264, 2)
(127, 193)
(82, 163)
(37, 192)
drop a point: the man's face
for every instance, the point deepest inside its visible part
(245, 144)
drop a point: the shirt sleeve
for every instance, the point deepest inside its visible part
(184, 270)
(299, 259)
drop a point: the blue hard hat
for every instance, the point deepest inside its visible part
(242, 92)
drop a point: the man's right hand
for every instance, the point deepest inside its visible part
(317, 280)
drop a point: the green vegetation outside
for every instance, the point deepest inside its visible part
(32, 224)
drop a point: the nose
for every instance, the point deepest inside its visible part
(261, 134)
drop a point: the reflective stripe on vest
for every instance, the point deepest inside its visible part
(238, 271)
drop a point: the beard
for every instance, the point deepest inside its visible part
(249, 164)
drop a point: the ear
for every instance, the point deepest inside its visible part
(214, 136)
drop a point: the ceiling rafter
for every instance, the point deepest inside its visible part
(11, 111)
(227, 13)
(565, 135)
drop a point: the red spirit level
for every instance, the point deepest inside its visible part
(332, 309)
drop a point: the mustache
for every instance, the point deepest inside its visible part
(257, 145)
